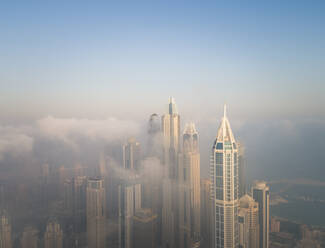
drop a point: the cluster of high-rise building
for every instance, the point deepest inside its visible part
(154, 197)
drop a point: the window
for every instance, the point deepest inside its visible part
(219, 158)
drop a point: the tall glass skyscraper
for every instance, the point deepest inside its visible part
(171, 136)
(224, 178)
(170, 123)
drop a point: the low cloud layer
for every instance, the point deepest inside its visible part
(274, 149)
(70, 130)
(61, 141)
(15, 141)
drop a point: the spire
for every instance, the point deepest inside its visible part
(224, 131)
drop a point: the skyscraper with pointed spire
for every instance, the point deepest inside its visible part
(224, 177)
(171, 135)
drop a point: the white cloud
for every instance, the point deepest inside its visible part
(15, 141)
(70, 129)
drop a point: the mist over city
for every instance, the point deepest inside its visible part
(162, 124)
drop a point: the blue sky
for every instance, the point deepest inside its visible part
(101, 58)
(89, 61)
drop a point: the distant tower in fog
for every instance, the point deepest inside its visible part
(171, 136)
(131, 155)
(261, 194)
(224, 177)
(96, 219)
(75, 201)
(5, 231)
(53, 237)
(248, 222)
(154, 146)
(189, 188)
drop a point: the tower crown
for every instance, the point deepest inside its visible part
(190, 138)
(224, 132)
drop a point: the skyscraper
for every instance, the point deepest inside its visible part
(189, 188)
(224, 177)
(248, 222)
(171, 136)
(96, 217)
(5, 231)
(154, 146)
(53, 236)
(129, 201)
(261, 194)
(131, 155)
